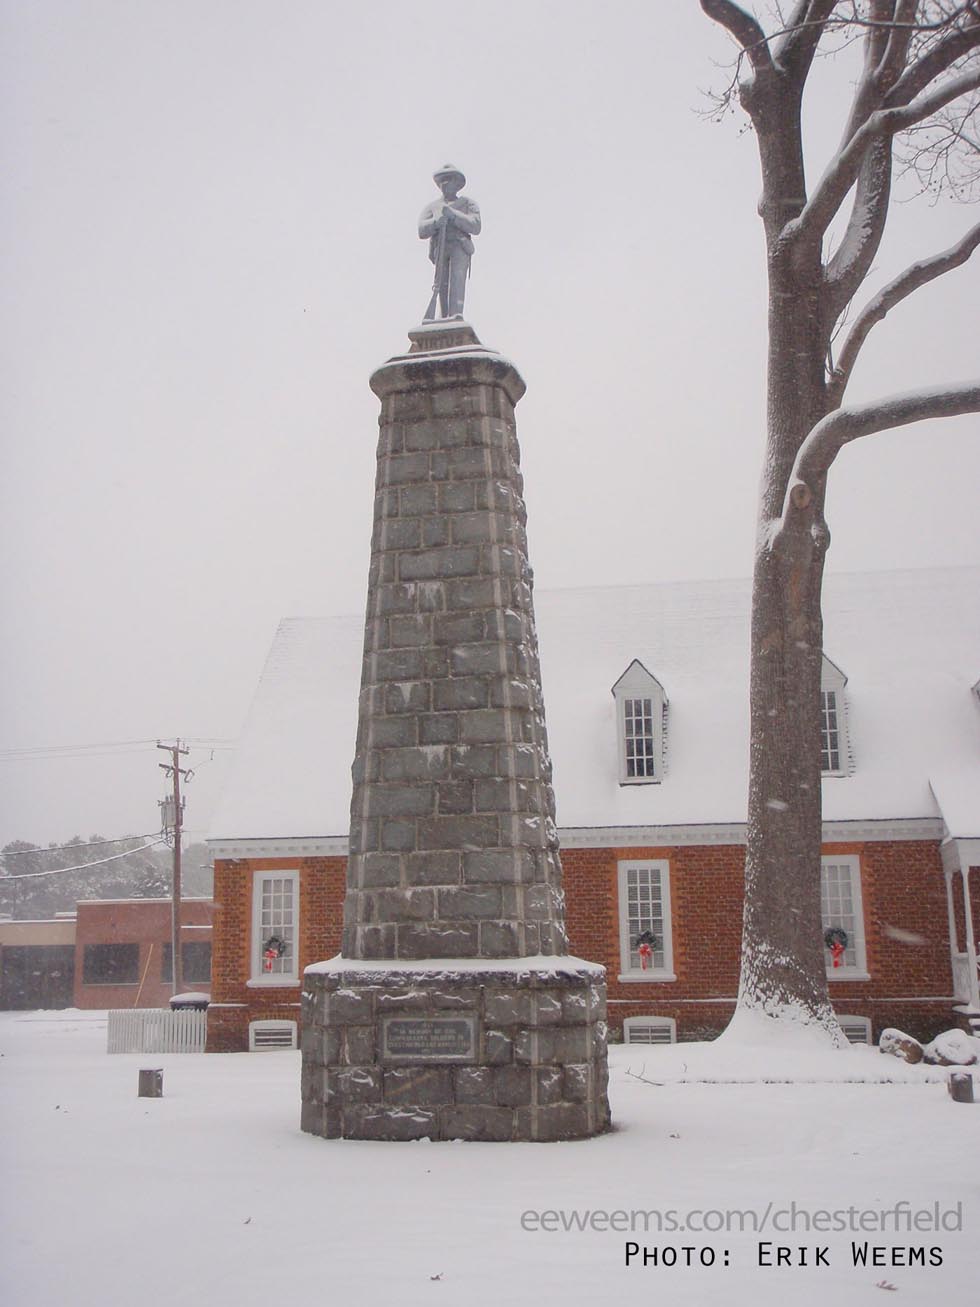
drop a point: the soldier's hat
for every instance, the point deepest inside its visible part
(449, 170)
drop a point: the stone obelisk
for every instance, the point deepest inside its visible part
(454, 1010)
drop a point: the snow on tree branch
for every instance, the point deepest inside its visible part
(878, 75)
(843, 171)
(744, 28)
(798, 42)
(839, 428)
(939, 57)
(893, 28)
(865, 229)
(918, 274)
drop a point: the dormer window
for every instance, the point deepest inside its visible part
(829, 732)
(641, 707)
(640, 739)
(835, 757)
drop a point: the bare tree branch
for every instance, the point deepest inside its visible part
(893, 60)
(882, 16)
(867, 96)
(935, 61)
(798, 43)
(745, 29)
(837, 429)
(869, 213)
(891, 29)
(918, 274)
(865, 229)
(840, 176)
(942, 155)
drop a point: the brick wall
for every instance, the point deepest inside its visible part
(905, 923)
(706, 917)
(905, 929)
(146, 923)
(322, 882)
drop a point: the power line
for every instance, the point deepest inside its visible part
(69, 757)
(59, 848)
(63, 748)
(104, 749)
(81, 866)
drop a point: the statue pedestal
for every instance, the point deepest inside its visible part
(467, 1050)
(454, 914)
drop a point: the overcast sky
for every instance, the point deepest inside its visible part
(209, 218)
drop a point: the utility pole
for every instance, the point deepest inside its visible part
(174, 770)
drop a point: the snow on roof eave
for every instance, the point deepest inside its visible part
(959, 853)
(101, 903)
(37, 921)
(839, 670)
(643, 668)
(958, 805)
(275, 846)
(843, 830)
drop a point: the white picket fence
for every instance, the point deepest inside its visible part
(157, 1030)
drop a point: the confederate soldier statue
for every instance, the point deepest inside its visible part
(448, 225)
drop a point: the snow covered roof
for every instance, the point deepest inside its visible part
(908, 642)
(958, 797)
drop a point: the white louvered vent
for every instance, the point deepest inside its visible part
(644, 1030)
(265, 1036)
(857, 1029)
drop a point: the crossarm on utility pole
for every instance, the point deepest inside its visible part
(173, 767)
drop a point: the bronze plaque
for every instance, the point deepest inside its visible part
(429, 1039)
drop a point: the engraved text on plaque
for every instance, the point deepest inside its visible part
(429, 1038)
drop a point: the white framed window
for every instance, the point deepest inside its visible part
(269, 1034)
(857, 1029)
(835, 753)
(829, 733)
(275, 928)
(644, 910)
(641, 712)
(841, 908)
(640, 739)
(649, 1030)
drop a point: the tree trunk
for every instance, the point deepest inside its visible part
(906, 81)
(783, 972)
(783, 969)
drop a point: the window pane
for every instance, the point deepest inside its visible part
(829, 733)
(111, 964)
(640, 741)
(837, 906)
(644, 911)
(277, 943)
(196, 959)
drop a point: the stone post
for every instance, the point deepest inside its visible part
(454, 1010)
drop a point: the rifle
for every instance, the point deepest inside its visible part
(440, 268)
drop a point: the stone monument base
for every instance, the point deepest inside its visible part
(482, 1049)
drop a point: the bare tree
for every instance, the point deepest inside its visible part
(914, 102)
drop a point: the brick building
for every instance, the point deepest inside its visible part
(109, 953)
(124, 955)
(646, 697)
(37, 963)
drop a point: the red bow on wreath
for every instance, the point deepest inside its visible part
(646, 942)
(836, 940)
(273, 948)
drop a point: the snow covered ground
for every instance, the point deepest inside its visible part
(212, 1195)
